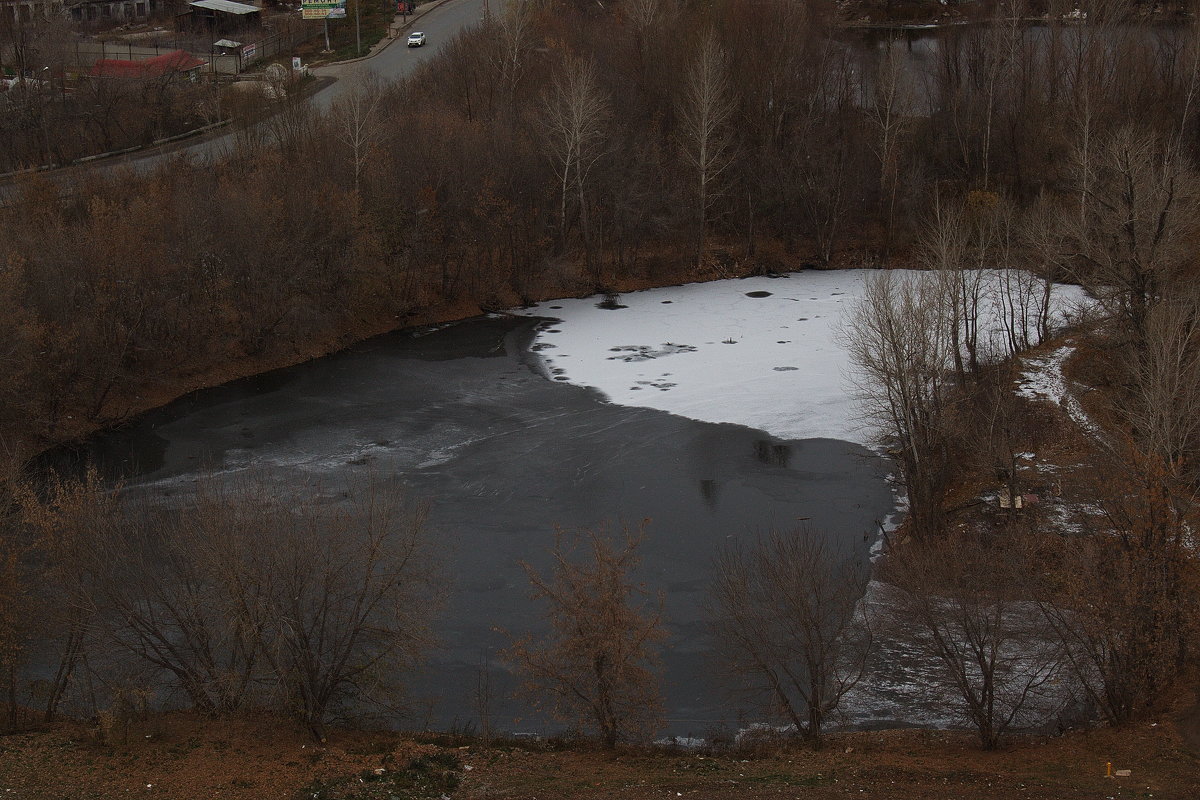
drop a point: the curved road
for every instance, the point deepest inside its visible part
(394, 61)
(440, 25)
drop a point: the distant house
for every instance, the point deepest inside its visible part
(23, 11)
(178, 63)
(221, 18)
(26, 10)
(111, 10)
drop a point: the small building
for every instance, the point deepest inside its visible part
(177, 63)
(221, 18)
(111, 11)
(19, 11)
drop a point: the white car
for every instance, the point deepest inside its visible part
(416, 39)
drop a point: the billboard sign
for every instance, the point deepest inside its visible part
(323, 9)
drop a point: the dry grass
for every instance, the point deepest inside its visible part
(190, 757)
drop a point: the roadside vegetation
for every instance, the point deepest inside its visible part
(574, 148)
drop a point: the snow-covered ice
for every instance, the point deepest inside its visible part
(716, 352)
(762, 352)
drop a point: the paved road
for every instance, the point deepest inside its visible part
(394, 61)
(440, 26)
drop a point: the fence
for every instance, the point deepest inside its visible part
(284, 34)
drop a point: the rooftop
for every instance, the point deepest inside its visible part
(226, 6)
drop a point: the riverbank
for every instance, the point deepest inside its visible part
(190, 756)
(155, 391)
(912, 14)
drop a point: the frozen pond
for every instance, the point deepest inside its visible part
(465, 416)
(714, 411)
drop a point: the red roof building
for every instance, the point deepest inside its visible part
(177, 61)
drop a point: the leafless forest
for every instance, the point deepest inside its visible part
(567, 148)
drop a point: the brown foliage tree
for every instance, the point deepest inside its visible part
(1125, 598)
(596, 664)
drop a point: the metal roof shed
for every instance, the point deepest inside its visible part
(221, 17)
(226, 6)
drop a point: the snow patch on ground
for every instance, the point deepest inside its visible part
(1043, 379)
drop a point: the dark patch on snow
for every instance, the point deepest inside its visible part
(643, 352)
(611, 302)
(758, 294)
(785, 369)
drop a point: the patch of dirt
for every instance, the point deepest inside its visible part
(1188, 725)
(191, 757)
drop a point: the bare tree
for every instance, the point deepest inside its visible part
(1138, 222)
(597, 662)
(290, 119)
(159, 600)
(962, 596)
(827, 167)
(352, 595)
(358, 124)
(785, 617)
(645, 15)
(514, 29)
(67, 517)
(944, 249)
(1044, 240)
(245, 597)
(705, 109)
(14, 601)
(1162, 404)
(897, 337)
(575, 113)
(889, 108)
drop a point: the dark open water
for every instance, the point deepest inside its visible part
(463, 416)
